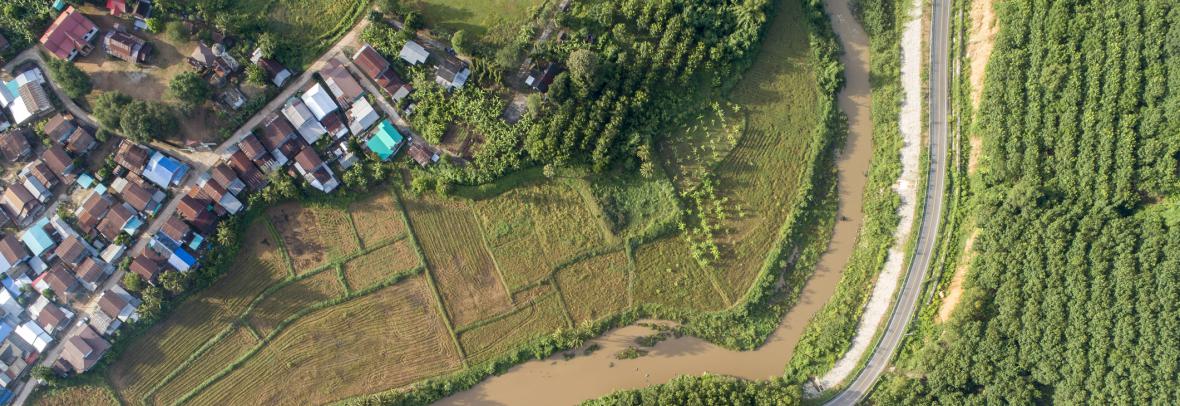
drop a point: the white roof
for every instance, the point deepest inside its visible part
(414, 53)
(361, 116)
(319, 101)
(34, 335)
(298, 113)
(9, 304)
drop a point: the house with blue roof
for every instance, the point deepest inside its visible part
(37, 237)
(164, 170)
(178, 257)
(385, 140)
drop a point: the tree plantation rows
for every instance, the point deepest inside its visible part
(1073, 295)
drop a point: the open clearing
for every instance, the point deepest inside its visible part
(595, 287)
(309, 26)
(665, 273)
(954, 292)
(313, 235)
(376, 218)
(539, 317)
(495, 20)
(380, 264)
(384, 340)
(284, 302)
(467, 277)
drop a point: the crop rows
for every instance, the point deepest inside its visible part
(375, 220)
(380, 264)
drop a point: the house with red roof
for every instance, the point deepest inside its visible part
(70, 35)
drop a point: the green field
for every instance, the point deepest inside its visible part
(494, 20)
(308, 27)
(541, 316)
(666, 274)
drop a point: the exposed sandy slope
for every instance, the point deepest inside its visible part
(979, 50)
(910, 121)
(955, 291)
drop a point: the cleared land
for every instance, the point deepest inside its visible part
(595, 287)
(466, 275)
(665, 273)
(312, 25)
(380, 264)
(164, 346)
(78, 395)
(532, 229)
(536, 318)
(497, 20)
(384, 340)
(313, 235)
(377, 218)
(212, 360)
(284, 302)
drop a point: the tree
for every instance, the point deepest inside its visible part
(153, 302)
(45, 374)
(174, 282)
(534, 103)
(559, 90)
(508, 56)
(413, 22)
(133, 282)
(267, 45)
(190, 89)
(144, 121)
(73, 81)
(176, 31)
(155, 25)
(49, 294)
(583, 67)
(108, 109)
(461, 43)
(255, 75)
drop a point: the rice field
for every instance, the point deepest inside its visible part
(376, 218)
(217, 357)
(380, 264)
(466, 275)
(89, 395)
(665, 273)
(313, 235)
(284, 302)
(380, 341)
(530, 320)
(595, 287)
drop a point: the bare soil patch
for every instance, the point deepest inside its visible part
(979, 47)
(955, 291)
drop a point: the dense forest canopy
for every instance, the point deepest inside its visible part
(1072, 297)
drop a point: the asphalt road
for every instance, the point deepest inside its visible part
(907, 302)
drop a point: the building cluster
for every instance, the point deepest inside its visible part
(72, 34)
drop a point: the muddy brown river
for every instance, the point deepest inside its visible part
(555, 381)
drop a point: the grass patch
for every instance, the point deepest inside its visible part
(595, 287)
(378, 265)
(496, 21)
(637, 207)
(90, 395)
(532, 319)
(285, 301)
(665, 273)
(376, 219)
(307, 27)
(387, 339)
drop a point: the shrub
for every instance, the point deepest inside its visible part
(190, 89)
(69, 78)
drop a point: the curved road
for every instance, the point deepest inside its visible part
(907, 302)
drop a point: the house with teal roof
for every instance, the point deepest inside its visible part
(385, 140)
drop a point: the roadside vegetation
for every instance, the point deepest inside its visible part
(1075, 253)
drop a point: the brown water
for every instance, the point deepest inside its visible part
(555, 381)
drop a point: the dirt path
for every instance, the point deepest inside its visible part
(910, 121)
(555, 381)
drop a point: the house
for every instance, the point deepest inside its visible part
(195, 210)
(143, 199)
(247, 171)
(164, 170)
(90, 272)
(13, 358)
(232, 97)
(49, 316)
(25, 96)
(413, 53)
(83, 351)
(451, 74)
(127, 47)
(277, 132)
(72, 251)
(176, 255)
(57, 279)
(39, 179)
(59, 161)
(113, 310)
(214, 59)
(132, 156)
(80, 141)
(302, 118)
(275, 72)
(176, 230)
(422, 155)
(59, 127)
(314, 171)
(94, 208)
(40, 237)
(341, 83)
(33, 335)
(376, 67)
(145, 267)
(318, 101)
(19, 201)
(117, 7)
(117, 221)
(11, 307)
(70, 35)
(361, 116)
(14, 145)
(385, 140)
(541, 80)
(12, 253)
(220, 196)
(253, 150)
(335, 125)
(225, 176)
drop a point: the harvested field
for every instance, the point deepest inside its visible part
(377, 218)
(531, 320)
(534, 228)
(374, 267)
(217, 357)
(665, 273)
(313, 235)
(78, 395)
(168, 343)
(467, 278)
(384, 340)
(287, 300)
(531, 292)
(595, 287)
